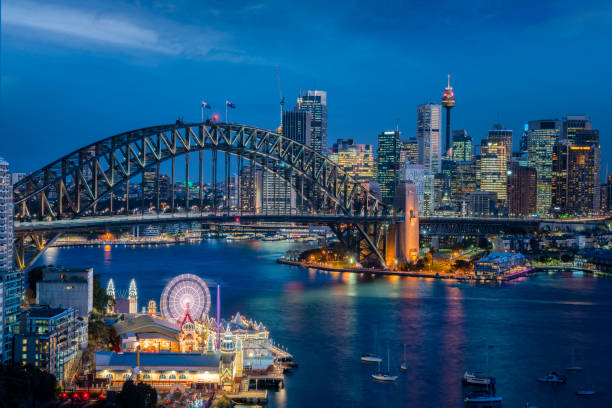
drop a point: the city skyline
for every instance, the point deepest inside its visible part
(161, 83)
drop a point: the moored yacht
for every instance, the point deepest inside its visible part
(482, 398)
(553, 378)
(472, 378)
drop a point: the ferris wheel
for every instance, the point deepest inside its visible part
(184, 294)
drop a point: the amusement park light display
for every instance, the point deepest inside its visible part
(185, 294)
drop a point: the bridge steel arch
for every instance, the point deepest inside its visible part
(73, 186)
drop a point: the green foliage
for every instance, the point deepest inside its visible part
(26, 385)
(461, 264)
(223, 402)
(137, 396)
(100, 298)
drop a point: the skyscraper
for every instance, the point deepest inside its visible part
(356, 159)
(462, 146)
(296, 126)
(12, 279)
(315, 102)
(522, 190)
(583, 180)
(493, 166)
(559, 176)
(388, 155)
(410, 151)
(448, 101)
(428, 137)
(500, 134)
(574, 123)
(541, 138)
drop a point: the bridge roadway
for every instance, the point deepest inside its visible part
(106, 222)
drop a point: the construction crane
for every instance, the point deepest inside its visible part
(282, 99)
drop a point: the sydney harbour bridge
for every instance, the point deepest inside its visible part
(89, 189)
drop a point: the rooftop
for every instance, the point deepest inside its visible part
(46, 311)
(196, 360)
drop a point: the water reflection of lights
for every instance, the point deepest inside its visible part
(280, 398)
(50, 255)
(107, 255)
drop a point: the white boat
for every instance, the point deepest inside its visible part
(482, 398)
(584, 392)
(472, 378)
(404, 365)
(372, 357)
(573, 366)
(386, 377)
(552, 378)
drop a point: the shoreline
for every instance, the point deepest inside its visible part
(412, 274)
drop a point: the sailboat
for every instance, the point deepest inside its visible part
(372, 357)
(386, 377)
(474, 378)
(573, 366)
(404, 365)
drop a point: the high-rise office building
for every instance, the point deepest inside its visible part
(609, 192)
(415, 174)
(500, 134)
(296, 126)
(250, 189)
(522, 190)
(583, 180)
(356, 159)
(277, 196)
(463, 182)
(410, 151)
(559, 176)
(11, 277)
(572, 124)
(315, 102)
(429, 118)
(462, 146)
(541, 138)
(493, 166)
(388, 161)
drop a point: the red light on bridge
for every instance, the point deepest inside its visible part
(85, 395)
(236, 219)
(75, 395)
(101, 396)
(64, 395)
(215, 117)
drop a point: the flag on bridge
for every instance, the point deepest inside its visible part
(230, 105)
(205, 105)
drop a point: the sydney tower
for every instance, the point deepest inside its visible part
(448, 101)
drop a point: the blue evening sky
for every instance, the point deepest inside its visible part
(77, 71)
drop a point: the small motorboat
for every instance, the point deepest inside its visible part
(404, 365)
(472, 378)
(553, 378)
(370, 358)
(585, 392)
(573, 366)
(482, 398)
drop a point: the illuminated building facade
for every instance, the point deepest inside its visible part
(559, 176)
(277, 196)
(463, 183)
(522, 190)
(296, 126)
(504, 136)
(356, 159)
(462, 146)
(410, 151)
(583, 180)
(12, 278)
(315, 102)
(483, 203)
(251, 181)
(388, 155)
(493, 168)
(541, 138)
(573, 125)
(429, 117)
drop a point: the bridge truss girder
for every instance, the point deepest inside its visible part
(366, 240)
(73, 186)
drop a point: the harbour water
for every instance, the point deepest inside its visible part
(328, 319)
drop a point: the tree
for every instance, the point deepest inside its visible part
(223, 402)
(100, 298)
(137, 396)
(25, 385)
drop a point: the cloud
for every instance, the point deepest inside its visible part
(73, 27)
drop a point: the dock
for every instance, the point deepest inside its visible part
(249, 397)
